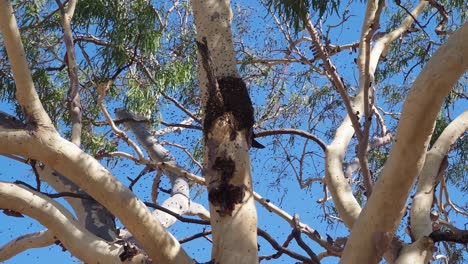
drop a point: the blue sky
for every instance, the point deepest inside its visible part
(286, 194)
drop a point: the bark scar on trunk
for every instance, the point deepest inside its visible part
(228, 101)
(226, 95)
(223, 194)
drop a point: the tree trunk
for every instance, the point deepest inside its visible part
(227, 129)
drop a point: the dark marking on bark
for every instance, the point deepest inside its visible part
(12, 213)
(226, 196)
(59, 243)
(226, 166)
(226, 96)
(8, 121)
(237, 101)
(129, 251)
(32, 126)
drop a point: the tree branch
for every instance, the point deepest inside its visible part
(65, 157)
(343, 198)
(420, 216)
(22, 243)
(366, 79)
(26, 93)
(460, 237)
(292, 131)
(73, 98)
(408, 152)
(81, 243)
(421, 224)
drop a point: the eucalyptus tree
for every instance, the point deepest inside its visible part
(358, 106)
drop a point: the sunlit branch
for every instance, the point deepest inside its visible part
(366, 78)
(22, 243)
(81, 243)
(25, 91)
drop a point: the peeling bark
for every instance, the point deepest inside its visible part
(90, 213)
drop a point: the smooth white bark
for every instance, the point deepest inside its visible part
(421, 224)
(408, 152)
(417, 252)
(179, 202)
(346, 204)
(234, 232)
(25, 90)
(34, 240)
(75, 238)
(40, 141)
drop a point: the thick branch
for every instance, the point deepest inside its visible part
(460, 237)
(421, 224)
(343, 198)
(25, 92)
(408, 152)
(179, 201)
(94, 179)
(81, 243)
(420, 220)
(34, 240)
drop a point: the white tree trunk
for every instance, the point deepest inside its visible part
(227, 137)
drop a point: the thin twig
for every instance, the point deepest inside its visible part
(282, 249)
(300, 242)
(193, 237)
(155, 187)
(137, 178)
(102, 89)
(292, 131)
